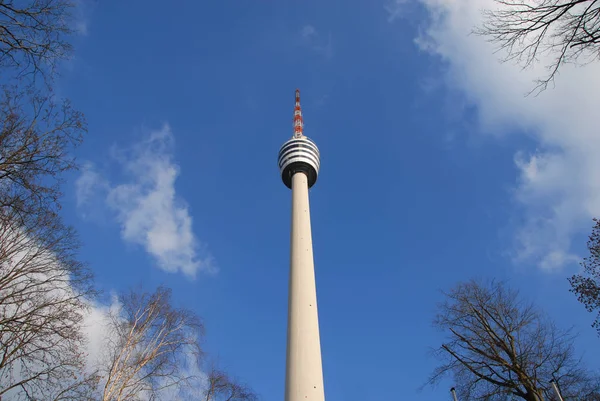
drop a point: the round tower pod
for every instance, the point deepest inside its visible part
(299, 154)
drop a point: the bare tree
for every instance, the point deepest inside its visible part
(43, 286)
(43, 290)
(587, 284)
(33, 35)
(36, 137)
(150, 344)
(222, 388)
(568, 31)
(501, 348)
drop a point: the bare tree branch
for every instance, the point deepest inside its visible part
(150, 342)
(501, 348)
(568, 31)
(222, 388)
(587, 284)
(37, 135)
(43, 286)
(33, 35)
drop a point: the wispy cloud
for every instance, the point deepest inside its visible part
(558, 186)
(311, 38)
(307, 31)
(395, 9)
(90, 188)
(146, 205)
(81, 13)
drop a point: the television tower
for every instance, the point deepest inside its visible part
(299, 164)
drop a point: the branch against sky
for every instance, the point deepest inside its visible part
(33, 36)
(43, 285)
(43, 293)
(221, 387)
(143, 348)
(148, 344)
(568, 31)
(586, 285)
(556, 191)
(36, 139)
(499, 347)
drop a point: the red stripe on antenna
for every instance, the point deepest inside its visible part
(298, 122)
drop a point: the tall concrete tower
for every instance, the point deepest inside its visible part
(299, 164)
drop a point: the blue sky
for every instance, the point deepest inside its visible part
(435, 169)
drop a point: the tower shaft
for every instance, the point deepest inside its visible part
(304, 372)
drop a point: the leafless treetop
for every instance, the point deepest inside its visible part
(500, 348)
(43, 285)
(149, 342)
(565, 30)
(222, 388)
(36, 137)
(33, 35)
(587, 284)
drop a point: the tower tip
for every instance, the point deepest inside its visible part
(298, 122)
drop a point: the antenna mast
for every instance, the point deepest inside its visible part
(298, 123)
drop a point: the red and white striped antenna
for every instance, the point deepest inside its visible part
(298, 123)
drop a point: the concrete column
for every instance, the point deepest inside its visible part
(304, 372)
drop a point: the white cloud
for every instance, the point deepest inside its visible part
(95, 328)
(558, 184)
(146, 204)
(86, 184)
(90, 188)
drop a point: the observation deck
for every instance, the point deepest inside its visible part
(299, 154)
